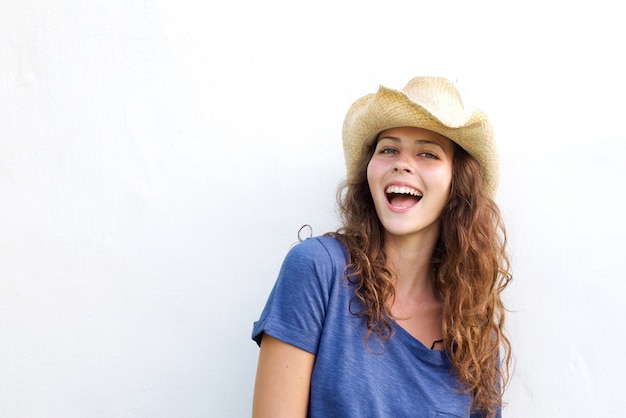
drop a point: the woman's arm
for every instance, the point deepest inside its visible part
(283, 380)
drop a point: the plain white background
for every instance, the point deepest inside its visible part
(157, 159)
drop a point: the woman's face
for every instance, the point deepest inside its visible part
(409, 177)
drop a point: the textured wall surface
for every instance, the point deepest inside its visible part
(158, 157)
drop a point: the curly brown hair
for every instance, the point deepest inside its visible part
(471, 270)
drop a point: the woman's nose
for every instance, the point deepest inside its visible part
(403, 164)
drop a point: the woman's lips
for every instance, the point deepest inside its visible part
(402, 197)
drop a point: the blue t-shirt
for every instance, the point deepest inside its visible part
(309, 308)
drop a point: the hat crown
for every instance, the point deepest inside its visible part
(439, 97)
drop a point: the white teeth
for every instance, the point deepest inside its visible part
(403, 190)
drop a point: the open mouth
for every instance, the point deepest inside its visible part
(402, 196)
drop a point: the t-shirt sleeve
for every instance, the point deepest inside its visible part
(296, 308)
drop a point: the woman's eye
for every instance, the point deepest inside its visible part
(387, 151)
(427, 154)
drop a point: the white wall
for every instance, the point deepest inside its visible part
(158, 157)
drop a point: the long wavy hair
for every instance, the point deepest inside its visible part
(471, 270)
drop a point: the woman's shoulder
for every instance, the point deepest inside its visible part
(322, 256)
(320, 248)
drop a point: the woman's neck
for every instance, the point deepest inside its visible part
(411, 263)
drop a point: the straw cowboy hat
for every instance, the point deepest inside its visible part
(431, 103)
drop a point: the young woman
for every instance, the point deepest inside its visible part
(397, 314)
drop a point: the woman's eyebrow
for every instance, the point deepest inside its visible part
(417, 141)
(428, 141)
